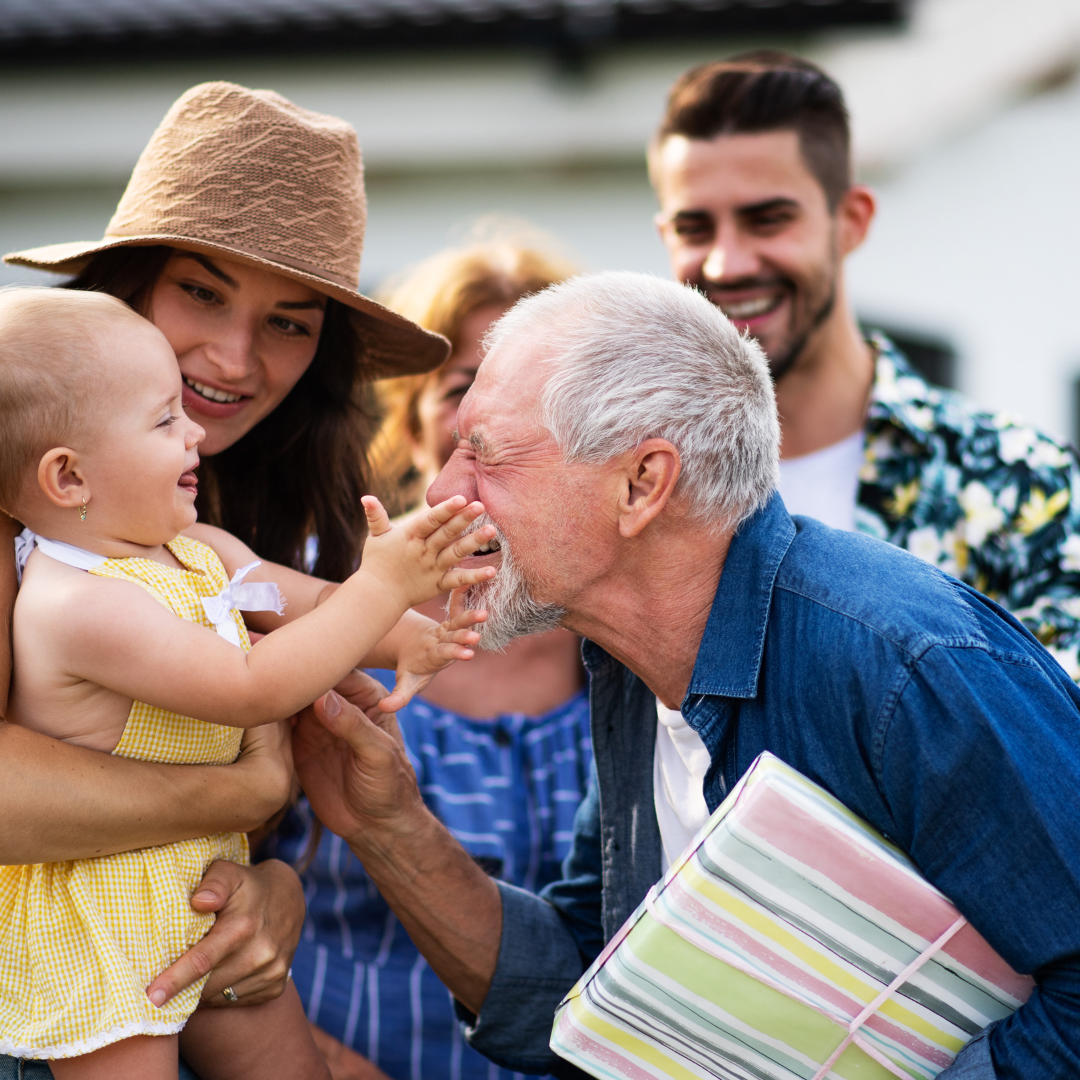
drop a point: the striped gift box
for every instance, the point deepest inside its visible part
(789, 940)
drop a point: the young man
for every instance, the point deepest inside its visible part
(752, 168)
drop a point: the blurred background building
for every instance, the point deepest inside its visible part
(966, 119)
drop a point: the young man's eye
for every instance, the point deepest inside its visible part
(695, 234)
(770, 221)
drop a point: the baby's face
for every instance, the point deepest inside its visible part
(140, 464)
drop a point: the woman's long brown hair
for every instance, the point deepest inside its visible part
(300, 472)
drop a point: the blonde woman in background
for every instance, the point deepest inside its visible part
(502, 751)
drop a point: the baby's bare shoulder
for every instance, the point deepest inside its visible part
(53, 594)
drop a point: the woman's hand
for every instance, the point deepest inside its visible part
(260, 912)
(266, 757)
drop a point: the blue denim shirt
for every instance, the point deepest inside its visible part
(916, 701)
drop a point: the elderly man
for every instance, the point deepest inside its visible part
(623, 438)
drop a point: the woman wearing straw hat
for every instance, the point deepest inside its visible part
(239, 236)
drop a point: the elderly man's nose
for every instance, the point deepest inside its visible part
(456, 478)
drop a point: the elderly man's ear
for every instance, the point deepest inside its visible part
(648, 478)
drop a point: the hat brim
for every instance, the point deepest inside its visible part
(393, 345)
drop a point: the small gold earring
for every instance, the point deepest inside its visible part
(82, 511)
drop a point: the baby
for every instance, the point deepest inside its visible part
(125, 630)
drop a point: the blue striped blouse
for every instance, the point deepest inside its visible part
(508, 790)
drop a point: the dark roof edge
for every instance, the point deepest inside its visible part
(571, 37)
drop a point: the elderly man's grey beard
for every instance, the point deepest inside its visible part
(512, 610)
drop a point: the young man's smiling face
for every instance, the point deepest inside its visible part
(746, 222)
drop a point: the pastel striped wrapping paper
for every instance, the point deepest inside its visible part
(789, 940)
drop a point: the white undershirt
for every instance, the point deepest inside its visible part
(825, 484)
(822, 485)
(679, 767)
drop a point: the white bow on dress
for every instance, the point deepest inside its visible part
(254, 596)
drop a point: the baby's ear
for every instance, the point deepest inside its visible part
(60, 478)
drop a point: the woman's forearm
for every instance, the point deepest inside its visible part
(59, 801)
(9, 529)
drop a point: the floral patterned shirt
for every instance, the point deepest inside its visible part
(981, 496)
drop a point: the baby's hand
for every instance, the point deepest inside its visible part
(418, 557)
(434, 648)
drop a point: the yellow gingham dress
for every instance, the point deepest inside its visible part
(80, 941)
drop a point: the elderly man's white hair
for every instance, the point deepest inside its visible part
(637, 357)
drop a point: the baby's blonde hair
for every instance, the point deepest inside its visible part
(52, 370)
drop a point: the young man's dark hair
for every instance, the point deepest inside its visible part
(767, 91)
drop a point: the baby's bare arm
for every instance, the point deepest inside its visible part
(272, 1039)
(386, 651)
(303, 593)
(113, 634)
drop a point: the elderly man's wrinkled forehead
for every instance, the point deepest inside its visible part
(508, 385)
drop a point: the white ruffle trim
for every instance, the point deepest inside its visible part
(95, 1042)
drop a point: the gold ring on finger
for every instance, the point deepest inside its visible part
(230, 994)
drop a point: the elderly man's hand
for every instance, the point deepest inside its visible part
(358, 779)
(352, 763)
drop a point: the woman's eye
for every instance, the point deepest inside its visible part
(287, 326)
(200, 293)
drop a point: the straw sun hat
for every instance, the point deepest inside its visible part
(249, 175)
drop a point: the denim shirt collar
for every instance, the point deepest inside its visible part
(729, 657)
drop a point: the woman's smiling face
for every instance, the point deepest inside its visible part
(243, 337)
